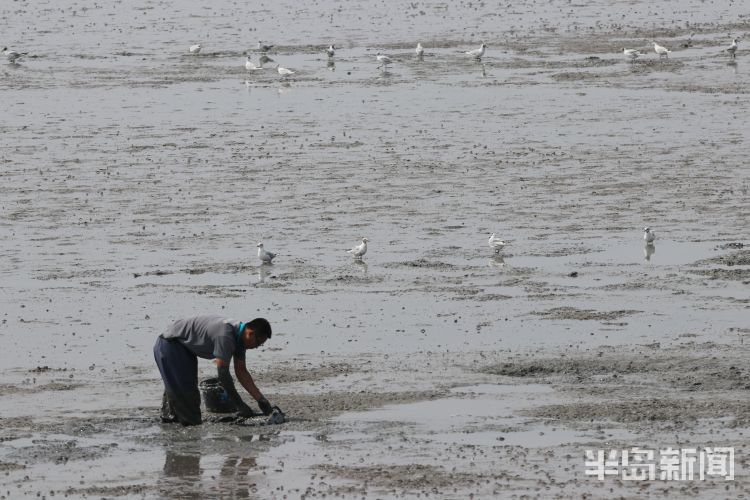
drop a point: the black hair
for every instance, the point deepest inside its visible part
(261, 327)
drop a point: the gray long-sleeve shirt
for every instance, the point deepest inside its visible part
(208, 337)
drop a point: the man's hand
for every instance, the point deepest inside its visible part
(265, 406)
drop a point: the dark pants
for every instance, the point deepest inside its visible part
(179, 371)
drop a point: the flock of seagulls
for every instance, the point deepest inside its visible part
(496, 244)
(14, 57)
(382, 59)
(664, 52)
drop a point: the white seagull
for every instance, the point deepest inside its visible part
(250, 66)
(496, 243)
(477, 53)
(264, 255)
(384, 60)
(263, 47)
(331, 51)
(631, 54)
(360, 249)
(12, 55)
(283, 71)
(662, 51)
(194, 49)
(419, 50)
(732, 49)
(648, 235)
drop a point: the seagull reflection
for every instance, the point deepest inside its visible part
(497, 261)
(648, 251)
(362, 265)
(331, 65)
(263, 273)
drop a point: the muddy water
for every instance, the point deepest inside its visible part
(136, 180)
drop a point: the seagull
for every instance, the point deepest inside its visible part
(662, 51)
(732, 49)
(360, 249)
(419, 50)
(263, 47)
(250, 66)
(12, 55)
(496, 243)
(631, 54)
(283, 71)
(648, 235)
(265, 256)
(477, 53)
(331, 51)
(194, 49)
(383, 60)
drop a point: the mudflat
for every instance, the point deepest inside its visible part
(136, 180)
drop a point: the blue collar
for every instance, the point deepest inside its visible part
(239, 334)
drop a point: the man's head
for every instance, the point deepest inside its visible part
(256, 333)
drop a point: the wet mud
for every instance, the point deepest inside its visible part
(136, 180)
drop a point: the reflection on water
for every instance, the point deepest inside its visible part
(497, 261)
(181, 465)
(263, 273)
(648, 251)
(225, 472)
(362, 265)
(331, 65)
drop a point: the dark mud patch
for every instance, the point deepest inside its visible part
(9, 466)
(319, 407)
(107, 491)
(58, 451)
(738, 258)
(677, 412)
(742, 275)
(412, 478)
(423, 264)
(572, 313)
(288, 372)
(678, 368)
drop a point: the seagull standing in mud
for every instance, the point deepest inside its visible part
(420, 51)
(384, 61)
(194, 49)
(648, 236)
(477, 53)
(250, 66)
(732, 49)
(331, 51)
(631, 54)
(662, 51)
(12, 55)
(284, 72)
(360, 249)
(264, 255)
(496, 243)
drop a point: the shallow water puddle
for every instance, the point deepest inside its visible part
(454, 420)
(663, 253)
